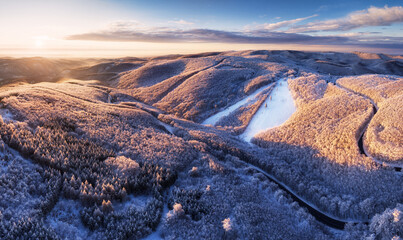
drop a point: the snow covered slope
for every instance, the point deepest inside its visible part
(114, 148)
(274, 112)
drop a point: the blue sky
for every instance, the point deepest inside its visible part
(246, 12)
(231, 14)
(178, 26)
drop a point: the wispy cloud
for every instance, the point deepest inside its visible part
(164, 35)
(372, 16)
(205, 35)
(124, 25)
(133, 31)
(182, 22)
(286, 23)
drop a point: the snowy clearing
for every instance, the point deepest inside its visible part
(274, 112)
(6, 115)
(214, 119)
(156, 235)
(65, 220)
(139, 202)
(169, 128)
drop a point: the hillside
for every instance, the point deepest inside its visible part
(136, 148)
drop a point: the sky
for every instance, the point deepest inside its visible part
(106, 28)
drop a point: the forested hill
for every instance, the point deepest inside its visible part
(116, 148)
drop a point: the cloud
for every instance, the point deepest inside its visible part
(182, 22)
(322, 8)
(372, 16)
(133, 31)
(205, 35)
(167, 35)
(277, 25)
(124, 25)
(356, 34)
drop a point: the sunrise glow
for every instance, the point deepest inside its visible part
(201, 119)
(116, 28)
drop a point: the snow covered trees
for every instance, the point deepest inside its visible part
(81, 168)
(99, 157)
(388, 225)
(382, 139)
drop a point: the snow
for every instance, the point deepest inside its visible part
(274, 111)
(280, 106)
(6, 115)
(3, 165)
(214, 119)
(225, 67)
(169, 128)
(280, 183)
(157, 234)
(65, 220)
(139, 202)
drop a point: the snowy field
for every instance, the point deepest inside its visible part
(274, 112)
(277, 108)
(214, 119)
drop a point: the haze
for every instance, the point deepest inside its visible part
(201, 119)
(105, 28)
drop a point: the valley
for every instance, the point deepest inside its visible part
(228, 145)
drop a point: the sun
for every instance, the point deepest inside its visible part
(38, 43)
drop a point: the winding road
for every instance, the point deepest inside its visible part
(325, 218)
(280, 99)
(361, 139)
(320, 216)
